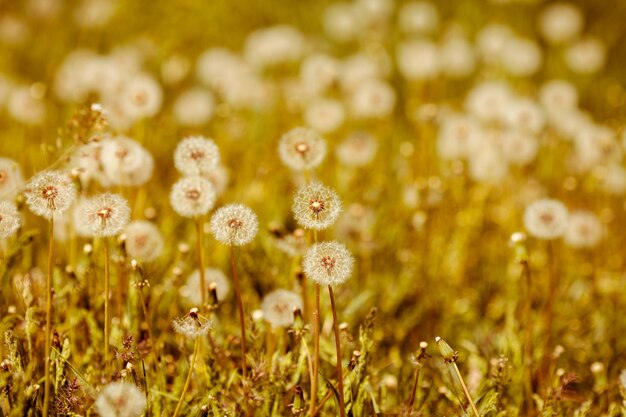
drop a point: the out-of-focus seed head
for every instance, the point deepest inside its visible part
(10, 179)
(212, 276)
(10, 219)
(196, 155)
(302, 149)
(192, 196)
(143, 240)
(121, 399)
(278, 307)
(546, 219)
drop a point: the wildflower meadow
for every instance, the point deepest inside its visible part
(312, 208)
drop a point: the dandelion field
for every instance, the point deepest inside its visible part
(313, 208)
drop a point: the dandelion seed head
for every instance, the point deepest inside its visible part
(120, 399)
(192, 196)
(546, 219)
(328, 263)
(586, 56)
(302, 148)
(105, 214)
(373, 99)
(143, 240)
(324, 115)
(191, 290)
(358, 149)
(140, 96)
(196, 155)
(234, 224)
(10, 219)
(126, 162)
(49, 193)
(192, 325)
(278, 307)
(316, 206)
(10, 179)
(194, 107)
(560, 22)
(584, 230)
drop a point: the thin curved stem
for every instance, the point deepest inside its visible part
(200, 261)
(242, 324)
(342, 408)
(196, 345)
(46, 396)
(316, 349)
(465, 390)
(106, 303)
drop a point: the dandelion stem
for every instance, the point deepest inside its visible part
(196, 345)
(244, 370)
(528, 337)
(200, 262)
(465, 390)
(416, 379)
(342, 410)
(106, 303)
(549, 310)
(46, 396)
(316, 349)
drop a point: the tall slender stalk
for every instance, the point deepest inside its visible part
(196, 345)
(553, 284)
(244, 368)
(200, 261)
(342, 410)
(46, 396)
(316, 349)
(527, 357)
(106, 303)
(465, 390)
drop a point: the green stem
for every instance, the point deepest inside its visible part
(465, 390)
(46, 396)
(200, 262)
(106, 303)
(342, 408)
(244, 368)
(196, 345)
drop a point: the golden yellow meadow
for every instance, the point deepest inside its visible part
(312, 208)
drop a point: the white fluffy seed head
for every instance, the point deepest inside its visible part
(49, 193)
(126, 162)
(358, 149)
(121, 399)
(192, 196)
(192, 325)
(302, 149)
(191, 291)
(143, 240)
(105, 215)
(10, 179)
(196, 155)
(546, 219)
(328, 263)
(316, 206)
(141, 96)
(584, 230)
(10, 219)
(278, 307)
(234, 225)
